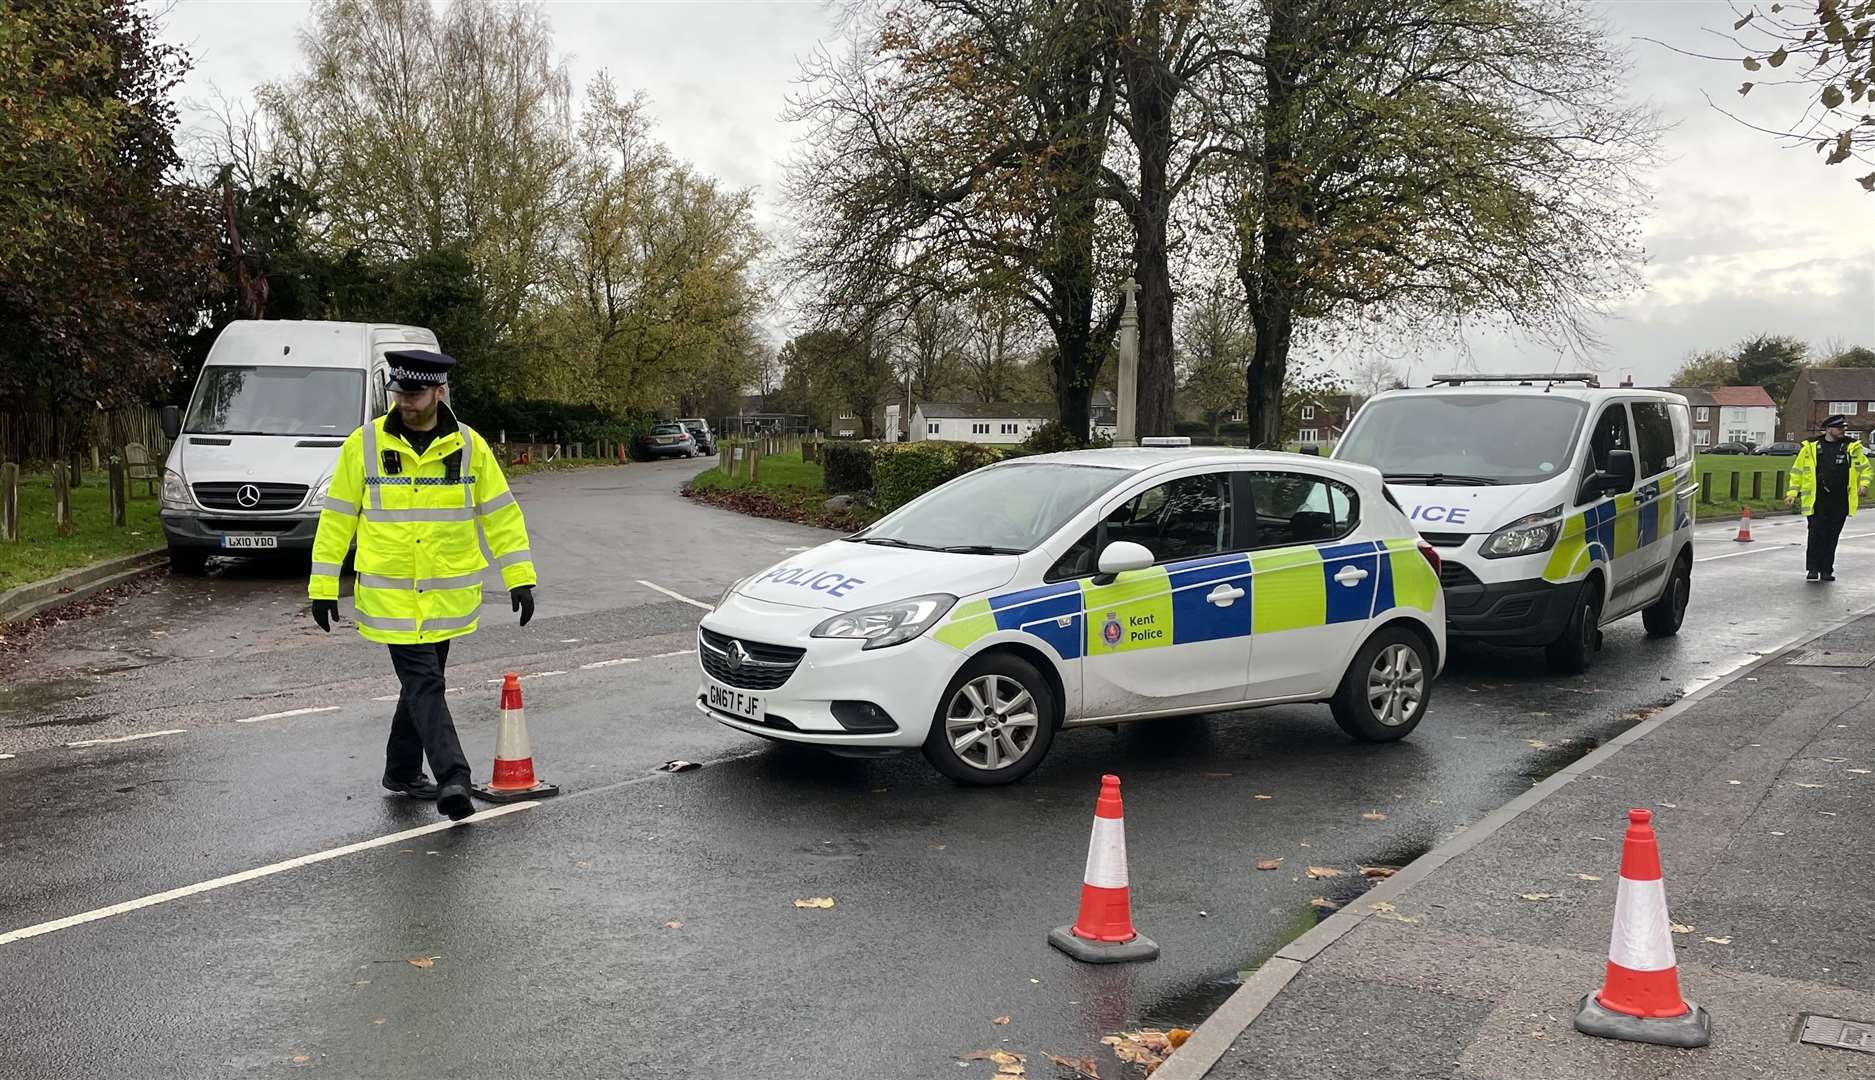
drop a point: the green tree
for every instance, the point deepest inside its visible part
(1772, 361)
(1214, 349)
(835, 372)
(1707, 369)
(1854, 356)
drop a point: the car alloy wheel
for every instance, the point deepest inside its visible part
(1396, 685)
(991, 722)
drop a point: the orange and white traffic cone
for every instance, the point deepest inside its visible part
(1640, 999)
(514, 778)
(1103, 932)
(1744, 525)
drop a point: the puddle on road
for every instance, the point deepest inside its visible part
(81, 720)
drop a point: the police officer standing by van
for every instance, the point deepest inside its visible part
(413, 486)
(1828, 479)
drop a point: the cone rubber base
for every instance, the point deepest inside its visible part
(508, 795)
(1692, 1029)
(1103, 952)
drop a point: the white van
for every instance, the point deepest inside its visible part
(1557, 506)
(254, 452)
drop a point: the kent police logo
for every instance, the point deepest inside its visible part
(1111, 631)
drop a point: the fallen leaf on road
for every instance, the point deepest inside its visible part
(815, 902)
(301, 1059)
(1011, 1070)
(1373, 815)
(583, 864)
(1587, 877)
(678, 765)
(379, 1022)
(1323, 903)
(1323, 872)
(1177, 1037)
(1000, 1020)
(1083, 1066)
(424, 961)
(1683, 928)
(1146, 1048)
(1000, 1057)
(1410, 920)
(1268, 864)
(1263, 796)
(1720, 940)
(1380, 906)
(1537, 896)
(1378, 871)
(674, 924)
(1538, 744)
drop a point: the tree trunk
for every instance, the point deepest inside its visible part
(1151, 92)
(1269, 362)
(1268, 271)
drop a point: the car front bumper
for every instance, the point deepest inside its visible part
(819, 700)
(292, 532)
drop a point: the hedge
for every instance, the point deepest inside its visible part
(846, 467)
(903, 471)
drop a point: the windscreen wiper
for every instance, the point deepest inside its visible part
(1437, 478)
(893, 541)
(981, 549)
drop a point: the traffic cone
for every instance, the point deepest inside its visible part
(1744, 525)
(514, 763)
(1640, 999)
(1103, 932)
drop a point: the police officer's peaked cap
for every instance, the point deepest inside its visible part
(1835, 420)
(418, 369)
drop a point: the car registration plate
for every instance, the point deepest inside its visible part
(738, 703)
(249, 542)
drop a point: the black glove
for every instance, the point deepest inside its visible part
(323, 612)
(523, 598)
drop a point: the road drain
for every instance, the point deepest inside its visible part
(1838, 1034)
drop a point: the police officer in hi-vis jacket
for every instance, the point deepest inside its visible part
(413, 486)
(1828, 480)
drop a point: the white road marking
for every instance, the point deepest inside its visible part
(674, 595)
(3, 757)
(543, 674)
(610, 663)
(126, 738)
(1773, 547)
(679, 652)
(290, 712)
(249, 875)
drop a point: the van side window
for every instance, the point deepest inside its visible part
(1290, 508)
(1611, 434)
(1682, 434)
(1653, 430)
(380, 401)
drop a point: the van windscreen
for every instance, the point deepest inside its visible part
(1465, 438)
(234, 400)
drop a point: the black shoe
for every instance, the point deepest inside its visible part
(453, 800)
(1829, 577)
(1811, 576)
(418, 787)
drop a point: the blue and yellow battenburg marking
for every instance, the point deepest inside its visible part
(1620, 526)
(1166, 606)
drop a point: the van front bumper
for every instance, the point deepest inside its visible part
(291, 532)
(1518, 613)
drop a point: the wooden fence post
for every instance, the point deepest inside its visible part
(755, 463)
(62, 498)
(120, 491)
(723, 462)
(96, 465)
(1779, 485)
(74, 476)
(1757, 485)
(9, 502)
(1734, 494)
(1705, 488)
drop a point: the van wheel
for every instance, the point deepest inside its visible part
(994, 723)
(192, 561)
(1664, 616)
(1386, 688)
(1574, 652)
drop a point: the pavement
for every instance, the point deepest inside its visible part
(1763, 793)
(199, 875)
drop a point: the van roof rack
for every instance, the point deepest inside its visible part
(1548, 378)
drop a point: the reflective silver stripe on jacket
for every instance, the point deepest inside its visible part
(340, 506)
(513, 557)
(506, 498)
(327, 569)
(447, 513)
(452, 622)
(378, 622)
(468, 466)
(372, 499)
(379, 581)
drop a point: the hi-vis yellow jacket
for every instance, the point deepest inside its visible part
(1803, 476)
(419, 562)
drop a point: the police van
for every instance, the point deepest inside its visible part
(1083, 588)
(1557, 505)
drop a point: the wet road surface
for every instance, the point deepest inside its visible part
(549, 933)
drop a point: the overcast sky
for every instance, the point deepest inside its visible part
(1743, 236)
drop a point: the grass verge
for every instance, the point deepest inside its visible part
(788, 489)
(41, 552)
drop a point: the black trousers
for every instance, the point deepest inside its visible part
(1825, 530)
(422, 724)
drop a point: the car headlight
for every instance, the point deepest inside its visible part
(888, 624)
(1525, 536)
(317, 497)
(175, 492)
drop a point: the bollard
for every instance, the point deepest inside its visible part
(120, 490)
(62, 498)
(9, 502)
(1734, 494)
(1757, 484)
(1705, 488)
(755, 464)
(722, 453)
(1778, 486)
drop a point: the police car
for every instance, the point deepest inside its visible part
(1086, 588)
(1557, 505)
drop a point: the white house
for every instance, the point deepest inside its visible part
(1745, 414)
(995, 423)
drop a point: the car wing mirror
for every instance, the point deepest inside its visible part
(1119, 557)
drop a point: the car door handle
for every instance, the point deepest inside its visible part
(1350, 575)
(1225, 595)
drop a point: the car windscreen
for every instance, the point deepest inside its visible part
(667, 429)
(1007, 509)
(1465, 438)
(238, 400)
